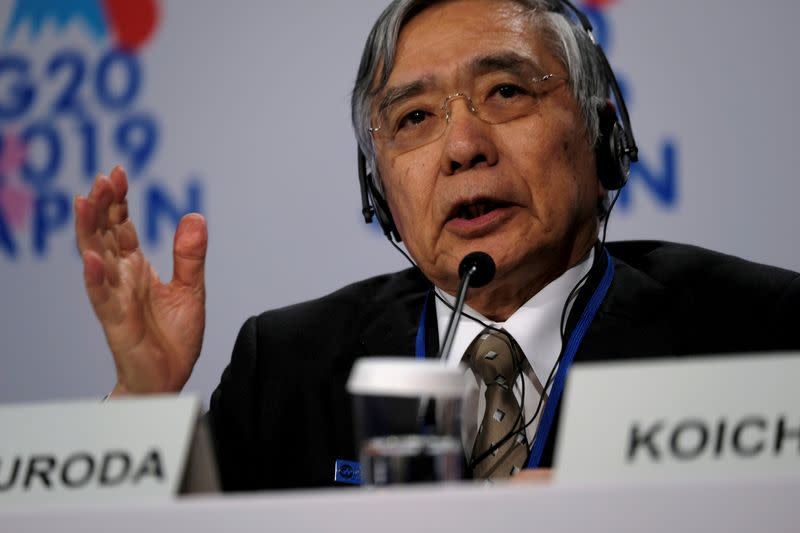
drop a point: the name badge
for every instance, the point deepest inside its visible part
(734, 417)
(138, 450)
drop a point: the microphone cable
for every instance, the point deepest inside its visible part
(563, 325)
(518, 364)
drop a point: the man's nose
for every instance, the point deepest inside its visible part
(468, 141)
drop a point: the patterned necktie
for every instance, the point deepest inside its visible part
(497, 360)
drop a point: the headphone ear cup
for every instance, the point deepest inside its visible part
(382, 211)
(372, 201)
(613, 164)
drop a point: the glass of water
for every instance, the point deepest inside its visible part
(408, 417)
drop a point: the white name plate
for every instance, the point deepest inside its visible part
(734, 417)
(128, 450)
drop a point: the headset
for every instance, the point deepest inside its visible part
(615, 150)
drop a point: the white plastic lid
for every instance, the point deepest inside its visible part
(406, 378)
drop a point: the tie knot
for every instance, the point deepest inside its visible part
(495, 357)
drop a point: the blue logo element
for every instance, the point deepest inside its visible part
(37, 12)
(656, 172)
(347, 472)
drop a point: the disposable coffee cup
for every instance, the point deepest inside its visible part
(408, 415)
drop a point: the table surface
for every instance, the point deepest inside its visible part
(653, 507)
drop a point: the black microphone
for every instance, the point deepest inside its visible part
(475, 270)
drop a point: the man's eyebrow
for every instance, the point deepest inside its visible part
(392, 95)
(507, 62)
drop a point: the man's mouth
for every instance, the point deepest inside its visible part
(473, 210)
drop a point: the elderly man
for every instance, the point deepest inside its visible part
(484, 125)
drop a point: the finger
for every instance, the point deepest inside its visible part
(189, 253)
(127, 238)
(85, 222)
(102, 194)
(105, 196)
(124, 234)
(111, 262)
(101, 296)
(118, 211)
(119, 181)
(97, 185)
(94, 278)
(89, 238)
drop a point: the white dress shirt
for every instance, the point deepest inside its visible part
(536, 328)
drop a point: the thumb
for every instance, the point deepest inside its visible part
(189, 251)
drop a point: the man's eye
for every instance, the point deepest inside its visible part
(509, 91)
(412, 119)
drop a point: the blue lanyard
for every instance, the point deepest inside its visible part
(420, 351)
(574, 342)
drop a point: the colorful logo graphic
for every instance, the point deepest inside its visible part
(130, 23)
(69, 115)
(16, 199)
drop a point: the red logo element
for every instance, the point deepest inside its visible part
(16, 198)
(599, 4)
(132, 23)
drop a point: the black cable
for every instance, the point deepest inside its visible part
(551, 376)
(518, 365)
(608, 215)
(572, 296)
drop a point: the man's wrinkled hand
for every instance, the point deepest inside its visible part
(154, 330)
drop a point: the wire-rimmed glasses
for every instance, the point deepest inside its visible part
(414, 117)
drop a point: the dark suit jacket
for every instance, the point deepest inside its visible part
(281, 415)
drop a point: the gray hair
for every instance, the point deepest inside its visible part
(568, 42)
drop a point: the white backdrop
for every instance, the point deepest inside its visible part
(241, 110)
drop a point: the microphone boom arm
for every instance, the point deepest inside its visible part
(459, 305)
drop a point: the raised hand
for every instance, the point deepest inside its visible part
(154, 330)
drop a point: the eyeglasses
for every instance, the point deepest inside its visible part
(409, 121)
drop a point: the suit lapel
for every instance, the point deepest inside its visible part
(636, 319)
(392, 321)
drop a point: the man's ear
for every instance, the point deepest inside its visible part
(612, 166)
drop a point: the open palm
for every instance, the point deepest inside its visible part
(154, 329)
